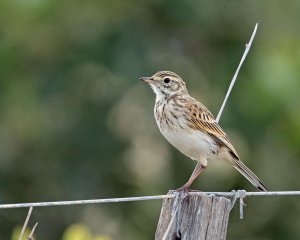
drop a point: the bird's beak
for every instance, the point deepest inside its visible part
(147, 79)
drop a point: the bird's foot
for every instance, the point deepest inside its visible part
(186, 189)
(183, 192)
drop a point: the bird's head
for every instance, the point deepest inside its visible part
(166, 83)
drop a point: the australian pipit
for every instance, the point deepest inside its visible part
(190, 127)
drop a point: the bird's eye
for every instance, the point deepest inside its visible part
(166, 80)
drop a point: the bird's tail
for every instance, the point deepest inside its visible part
(251, 177)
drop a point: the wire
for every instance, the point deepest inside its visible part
(81, 202)
(248, 45)
(142, 198)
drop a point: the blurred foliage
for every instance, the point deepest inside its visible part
(17, 231)
(75, 122)
(81, 232)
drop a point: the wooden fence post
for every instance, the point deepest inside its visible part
(198, 217)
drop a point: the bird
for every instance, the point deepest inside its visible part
(191, 128)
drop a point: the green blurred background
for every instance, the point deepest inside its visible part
(75, 122)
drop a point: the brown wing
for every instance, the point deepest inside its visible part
(203, 120)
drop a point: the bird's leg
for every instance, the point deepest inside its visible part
(197, 171)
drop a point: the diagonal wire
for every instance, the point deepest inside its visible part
(248, 46)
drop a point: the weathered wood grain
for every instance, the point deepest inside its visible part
(202, 217)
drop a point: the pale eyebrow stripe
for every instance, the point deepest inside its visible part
(168, 74)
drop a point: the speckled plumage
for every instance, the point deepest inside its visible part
(189, 126)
